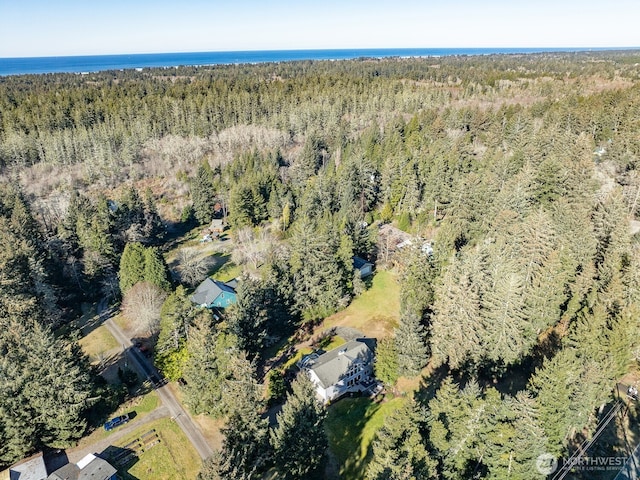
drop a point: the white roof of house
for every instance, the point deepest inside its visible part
(86, 461)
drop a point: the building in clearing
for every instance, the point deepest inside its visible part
(343, 370)
(214, 294)
(365, 268)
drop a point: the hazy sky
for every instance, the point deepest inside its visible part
(77, 27)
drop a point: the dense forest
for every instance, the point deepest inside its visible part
(520, 170)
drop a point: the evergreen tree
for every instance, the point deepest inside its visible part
(247, 319)
(457, 422)
(132, 266)
(154, 229)
(44, 389)
(130, 216)
(398, 448)
(242, 206)
(386, 363)
(156, 270)
(299, 440)
(210, 353)
(318, 276)
(411, 347)
(246, 433)
(457, 324)
(245, 448)
(202, 194)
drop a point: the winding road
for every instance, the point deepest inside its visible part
(148, 371)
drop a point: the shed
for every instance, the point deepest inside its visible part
(365, 268)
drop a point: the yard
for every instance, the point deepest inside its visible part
(136, 407)
(163, 452)
(351, 425)
(376, 312)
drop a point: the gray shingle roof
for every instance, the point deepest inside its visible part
(208, 291)
(31, 469)
(96, 469)
(333, 365)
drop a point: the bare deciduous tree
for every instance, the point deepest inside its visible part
(142, 305)
(192, 266)
(252, 246)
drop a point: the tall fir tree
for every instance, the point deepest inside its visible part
(248, 318)
(132, 264)
(299, 440)
(202, 193)
(156, 270)
(209, 355)
(411, 347)
(398, 448)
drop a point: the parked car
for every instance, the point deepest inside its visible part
(116, 422)
(142, 348)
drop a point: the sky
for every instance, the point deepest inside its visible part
(31, 28)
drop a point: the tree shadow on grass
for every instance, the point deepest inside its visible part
(345, 425)
(216, 262)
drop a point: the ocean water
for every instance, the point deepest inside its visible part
(95, 63)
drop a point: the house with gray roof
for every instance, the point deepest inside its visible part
(213, 293)
(343, 370)
(90, 467)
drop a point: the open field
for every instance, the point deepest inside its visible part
(351, 425)
(98, 343)
(376, 312)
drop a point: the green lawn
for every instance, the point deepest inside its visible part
(137, 407)
(173, 458)
(97, 343)
(227, 270)
(351, 425)
(376, 312)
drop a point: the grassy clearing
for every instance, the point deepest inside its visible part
(209, 426)
(376, 312)
(351, 425)
(173, 458)
(298, 356)
(137, 407)
(97, 343)
(224, 268)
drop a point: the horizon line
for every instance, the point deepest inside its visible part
(540, 49)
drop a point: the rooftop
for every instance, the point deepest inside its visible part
(90, 467)
(330, 367)
(209, 290)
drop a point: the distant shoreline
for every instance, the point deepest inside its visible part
(97, 63)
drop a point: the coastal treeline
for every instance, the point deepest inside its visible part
(515, 176)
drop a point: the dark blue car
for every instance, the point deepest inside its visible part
(116, 422)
